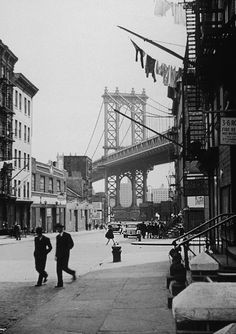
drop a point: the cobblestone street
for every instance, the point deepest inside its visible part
(19, 299)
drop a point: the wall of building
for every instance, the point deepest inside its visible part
(48, 196)
(23, 93)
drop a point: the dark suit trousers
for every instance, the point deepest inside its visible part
(62, 265)
(40, 263)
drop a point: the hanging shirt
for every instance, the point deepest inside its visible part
(150, 67)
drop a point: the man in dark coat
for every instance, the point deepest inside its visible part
(42, 246)
(64, 244)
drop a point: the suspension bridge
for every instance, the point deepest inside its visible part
(135, 140)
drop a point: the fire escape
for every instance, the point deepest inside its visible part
(6, 136)
(194, 131)
(205, 39)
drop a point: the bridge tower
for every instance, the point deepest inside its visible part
(135, 105)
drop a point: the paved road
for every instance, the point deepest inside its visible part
(19, 297)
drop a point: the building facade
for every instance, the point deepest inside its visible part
(157, 195)
(79, 190)
(48, 196)
(23, 94)
(78, 212)
(204, 105)
(7, 201)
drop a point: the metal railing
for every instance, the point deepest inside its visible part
(214, 235)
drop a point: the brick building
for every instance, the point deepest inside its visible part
(7, 201)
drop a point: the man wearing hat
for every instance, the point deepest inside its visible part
(64, 244)
(42, 246)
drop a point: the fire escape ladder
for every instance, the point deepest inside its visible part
(194, 123)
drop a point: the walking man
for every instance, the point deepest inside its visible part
(42, 246)
(64, 244)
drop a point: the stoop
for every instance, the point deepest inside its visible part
(204, 307)
(202, 266)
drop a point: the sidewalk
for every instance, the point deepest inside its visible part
(120, 298)
(6, 239)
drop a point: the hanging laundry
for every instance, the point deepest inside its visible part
(150, 67)
(179, 13)
(166, 75)
(161, 7)
(139, 51)
(157, 67)
(172, 77)
(179, 74)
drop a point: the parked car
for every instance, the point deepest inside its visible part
(116, 227)
(131, 229)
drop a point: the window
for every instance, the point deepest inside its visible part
(70, 214)
(42, 183)
(15, 158)
(16, 128)
(29, 111)
(28, 162)
(24, 160)
(58, 186)
(28, 186)
(19, 192)
(16, 98)
(19, 159)
(33, 182)
(20, 101)
(50, 185)
(20, 130)
(25, 105)
(24, 190)
(15, 187)
(28, 137)
(25, 132)
(3, 71)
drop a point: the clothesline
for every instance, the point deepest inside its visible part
(154, 67)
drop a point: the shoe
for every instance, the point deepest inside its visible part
(74, 276)
(45, 279)
(38, 284)
(59, 286)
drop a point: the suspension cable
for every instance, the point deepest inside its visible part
(94, 129)
(148, 128)
(159, 103)
(98, 144)
(153, 106)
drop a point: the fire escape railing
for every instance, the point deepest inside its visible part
(214, 236)
(194, 121)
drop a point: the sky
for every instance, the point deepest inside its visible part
(71, 50)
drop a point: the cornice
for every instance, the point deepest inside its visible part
(22, 82)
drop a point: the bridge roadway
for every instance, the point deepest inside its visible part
(148, 153)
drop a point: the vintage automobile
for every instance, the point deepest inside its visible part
(116, 227)
(131, 229)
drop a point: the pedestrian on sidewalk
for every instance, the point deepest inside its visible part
(42, 246)
(64, 243)
(110, 235)
(17, 231)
